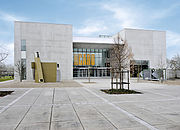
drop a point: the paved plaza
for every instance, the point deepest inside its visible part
(86, 107)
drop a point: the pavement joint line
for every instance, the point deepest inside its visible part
(51, 110)
(75, 111)
(28, 111)
(100, 113)
(146, 124)
(14, 101)
(105, 117)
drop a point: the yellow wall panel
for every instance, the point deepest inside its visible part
(92, 59)
(80, 59)
(49, 71)
(84, 59)
(75, 59)
(88, 59)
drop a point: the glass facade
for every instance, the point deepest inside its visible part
(96, 59)
(83, 57)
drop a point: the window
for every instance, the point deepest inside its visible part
(75, 49)
(92, 50)
(80, 50)
(96, 50)
(84, 49)
(23, 45)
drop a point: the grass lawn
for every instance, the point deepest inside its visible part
(5, 78)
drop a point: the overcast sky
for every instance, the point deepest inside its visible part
(93, 17)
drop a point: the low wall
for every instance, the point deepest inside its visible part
(171, 73)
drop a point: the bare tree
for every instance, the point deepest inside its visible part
(120, 57)
(20, 69)
(120, 54)
(3, 54)
(2, 68)
(175, 64)
(168, 63)
(161, 67)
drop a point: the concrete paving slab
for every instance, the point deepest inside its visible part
(45, 97)
(146, 115)
(91, 99)
(119, 119)
(87, 112)
(7, 127)
(37, 114)
(98, 124)
(135, 128)
(32, 84)
(91, 118)
(29, 98)
(168, 127)
(175, 117)
(64, 114)
(61, 97)
(75, 95)
(13, 115)
(66, 125)
(77, 108)
(9, 98)
(34, 126)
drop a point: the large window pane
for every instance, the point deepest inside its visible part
(75, 50)
(23, 45)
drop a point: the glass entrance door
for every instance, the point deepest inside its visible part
(94, 72)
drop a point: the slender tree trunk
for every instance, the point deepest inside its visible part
(111, 80)
(88, 75)
(116, 82)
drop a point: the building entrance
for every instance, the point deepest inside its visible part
(138, 67)
(94, 72)
(96, 59)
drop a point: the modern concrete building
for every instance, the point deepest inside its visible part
(55, 43)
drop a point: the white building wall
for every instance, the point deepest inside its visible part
(147, 45)
(172, 73)
(52, 41)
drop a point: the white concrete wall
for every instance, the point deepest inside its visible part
(178, 73)
(172, 74)
(52, 41)
(147, 45)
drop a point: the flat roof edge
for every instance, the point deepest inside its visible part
(143, 29)
(40, 23)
